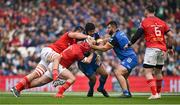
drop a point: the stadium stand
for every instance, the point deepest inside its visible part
(28, 25)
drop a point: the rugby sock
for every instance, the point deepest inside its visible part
(159, 85)
(24, 83)
(102, 81)
(64, 87)
(91, 86)
(152, 85)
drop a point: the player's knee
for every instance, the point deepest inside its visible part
(148, 70)
(124, 72)
(118, 72)
(92, 78)
(158, 72)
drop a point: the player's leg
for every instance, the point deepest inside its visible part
(40, 81)
(102, 80)
(119, 72)
(151, 81)
(158, 71)
(89, 71)
(65, 74)
(159, 78)
(70, 79)
(50, 55)
(92, 82)
(150, 60)
(46, 56)
(44, 80)
(25, 82)
(127, 82)
(123, 72)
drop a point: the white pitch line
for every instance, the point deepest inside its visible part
(89, 104)
(95, 94)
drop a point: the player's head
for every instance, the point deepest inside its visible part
(111, 27)
(84, 46)
(149, 10)
(90, 28)
(79, 29)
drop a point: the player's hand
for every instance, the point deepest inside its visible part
(98, 60)
(91, 41)
(170, 52)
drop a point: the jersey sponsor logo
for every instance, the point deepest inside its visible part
(129, 60)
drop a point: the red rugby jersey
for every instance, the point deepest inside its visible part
(74, 53)
(154, 31)
(62, 43)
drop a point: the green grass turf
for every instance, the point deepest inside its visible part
(78, 98)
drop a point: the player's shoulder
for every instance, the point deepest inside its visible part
(160, 20)
(120, 34)
(145, 21)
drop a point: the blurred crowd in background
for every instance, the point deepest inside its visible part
(26, 26)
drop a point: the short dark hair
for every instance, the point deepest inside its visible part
(79, 28)
(89, 27)
(112, 23)
(150, 8)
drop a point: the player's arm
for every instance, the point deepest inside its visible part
(56, 61)
(104, 48)
(170, 42)
(109, 45)
(77, 35)
(88, 59)
(139, 33)
(100, 42)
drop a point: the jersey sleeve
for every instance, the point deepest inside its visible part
(142, 24)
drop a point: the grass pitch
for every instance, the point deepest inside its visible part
(77, 98)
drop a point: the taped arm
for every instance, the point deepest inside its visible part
(139, 33)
